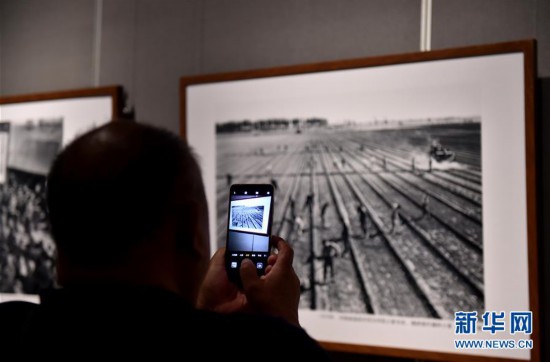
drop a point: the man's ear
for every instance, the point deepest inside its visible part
(188, 230)
(202, 238)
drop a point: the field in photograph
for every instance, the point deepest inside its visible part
(377, 225)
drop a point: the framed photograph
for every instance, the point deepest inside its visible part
(33, 129)
(404, 183)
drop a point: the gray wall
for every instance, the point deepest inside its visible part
(147, 45)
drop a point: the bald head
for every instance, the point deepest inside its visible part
(113, 188)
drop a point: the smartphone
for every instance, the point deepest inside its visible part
(249, 219)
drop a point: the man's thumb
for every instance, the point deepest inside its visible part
(249, 275)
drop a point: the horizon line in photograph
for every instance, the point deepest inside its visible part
(300, 123)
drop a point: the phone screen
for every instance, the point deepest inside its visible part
(249, 221)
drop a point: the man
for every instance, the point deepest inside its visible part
(274, 183)
(323, 214)
(129, 218)
(362, 212)
(329, 252)
(299, 225)
(425, 207)
(395, 219)
(345, 240)
(292, 205)
(309, 201)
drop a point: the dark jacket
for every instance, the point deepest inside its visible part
(103, 323)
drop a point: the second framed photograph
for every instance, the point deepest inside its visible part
(405, 185)
(34, 128)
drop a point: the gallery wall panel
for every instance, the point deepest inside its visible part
(118, 43)
(46, 45)
(245, 34)
(543, 38)
(470, 22)
(167, 42)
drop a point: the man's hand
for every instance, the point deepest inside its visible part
(217, 293)
(277, 293)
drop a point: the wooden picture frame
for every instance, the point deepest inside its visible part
(33, 128)
(488, 87)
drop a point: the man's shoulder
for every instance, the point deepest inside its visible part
(14, 316)
(15, 311)
(16, 306)
(261, 333)
(172, 326)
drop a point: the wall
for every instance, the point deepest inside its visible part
(146, 45)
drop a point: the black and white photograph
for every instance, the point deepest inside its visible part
(384, 216)
(26, 247)
(390, 185)
(247, 217)
(247, 213)
(31, 135)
